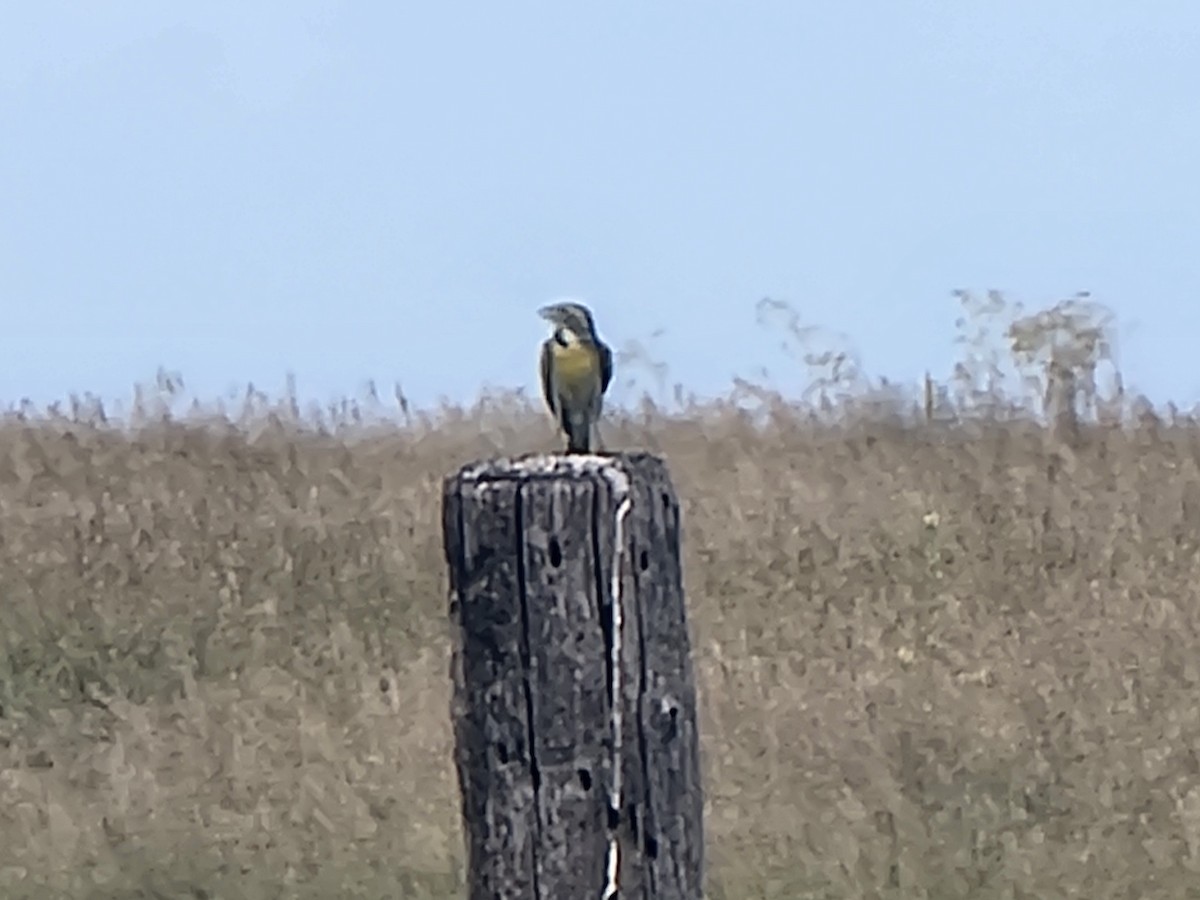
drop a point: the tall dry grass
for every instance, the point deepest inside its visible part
(944, 650)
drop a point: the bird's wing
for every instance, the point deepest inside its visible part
(606, 366)
(547, 380)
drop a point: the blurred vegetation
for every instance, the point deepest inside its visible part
(945, 634)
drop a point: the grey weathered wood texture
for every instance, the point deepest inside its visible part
(531, 544)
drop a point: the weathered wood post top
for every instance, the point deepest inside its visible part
(574, 703)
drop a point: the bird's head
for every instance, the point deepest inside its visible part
(573, 318)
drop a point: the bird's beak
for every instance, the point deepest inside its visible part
(547, 313)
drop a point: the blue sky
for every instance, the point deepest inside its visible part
(390, 190)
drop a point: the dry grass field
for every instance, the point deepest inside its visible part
(937, 659)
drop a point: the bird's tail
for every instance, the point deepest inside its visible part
(579, 435)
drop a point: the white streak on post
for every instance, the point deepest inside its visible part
(614, 662)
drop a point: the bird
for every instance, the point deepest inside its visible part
(576, 369)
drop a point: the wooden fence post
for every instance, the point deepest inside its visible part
(574, 701)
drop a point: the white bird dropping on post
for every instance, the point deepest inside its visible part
(614, 663)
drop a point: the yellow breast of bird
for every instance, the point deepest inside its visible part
(576, 369)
